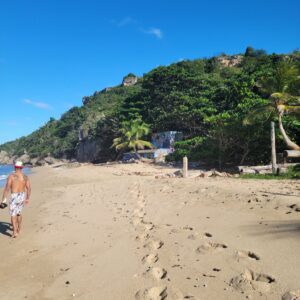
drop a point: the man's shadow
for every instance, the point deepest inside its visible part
(4, 228)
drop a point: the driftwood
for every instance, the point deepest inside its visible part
(291, 153)
(263, 169)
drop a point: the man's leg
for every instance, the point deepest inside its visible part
(19, 223)
(14, 223)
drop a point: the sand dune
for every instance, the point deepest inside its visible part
(96, 232)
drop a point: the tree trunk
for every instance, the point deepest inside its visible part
(119, 155)
(245, 154)
(273, 147)
(290, 144)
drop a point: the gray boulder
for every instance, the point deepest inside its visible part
(50, 160)
(4, 158)
(25, 159)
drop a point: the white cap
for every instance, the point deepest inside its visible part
(18, 164)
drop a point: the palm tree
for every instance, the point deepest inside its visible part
(282, 90)
(131, 133)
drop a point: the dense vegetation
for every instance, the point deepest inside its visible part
(60, 138)
(207, 99)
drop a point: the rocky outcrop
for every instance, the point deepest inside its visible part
(107, 89)
(230, 60)
(85, 100)
(45, 161)
(5, 158)
(88, 150)
(25, 159)
(129, 80)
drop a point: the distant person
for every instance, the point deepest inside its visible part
(18, 185)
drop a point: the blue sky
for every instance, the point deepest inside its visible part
(54, 52)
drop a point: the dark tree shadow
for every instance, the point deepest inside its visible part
(4, 228)
(279, 229)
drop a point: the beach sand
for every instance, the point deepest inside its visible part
(105, 232)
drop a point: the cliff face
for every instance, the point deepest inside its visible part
(89, 150)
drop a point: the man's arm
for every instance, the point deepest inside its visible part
(28, 190)
(7, 187)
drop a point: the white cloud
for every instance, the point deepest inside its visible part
(38, 104)
(154, 31)
(157, 32)
(125, 21)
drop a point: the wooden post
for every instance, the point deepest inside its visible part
(273, 145)
(185, 167)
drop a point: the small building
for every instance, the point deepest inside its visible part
(166, 139)
(163, 143)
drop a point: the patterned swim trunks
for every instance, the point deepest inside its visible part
(16, 203)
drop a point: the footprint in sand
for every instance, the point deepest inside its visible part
(154, 293)
(150, 259)
(210, 247)
(188, 228)
(295, 207)
(192, 237)
(148, 226)
(136, 221)
(141, 204)
(251, 281)
(247, 254)
(141, 197)
(158, 273)
(139, 213)
(142, 237)
(292, 295)
(155, 245)
(208, 235)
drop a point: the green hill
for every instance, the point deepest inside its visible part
(206, 99)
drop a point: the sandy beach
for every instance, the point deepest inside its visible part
(107, 232)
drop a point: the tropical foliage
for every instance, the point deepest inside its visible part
(206, 99)
(131, 134)
(283, 91)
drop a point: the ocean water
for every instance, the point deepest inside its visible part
(5, 170)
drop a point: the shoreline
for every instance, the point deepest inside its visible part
(3, 177)
(97, 227)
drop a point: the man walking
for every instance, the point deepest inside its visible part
(18, 185)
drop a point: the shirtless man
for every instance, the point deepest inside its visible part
(18, 185)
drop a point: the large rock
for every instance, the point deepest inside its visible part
(50, 160)
(33, 161)
(4, 158)
(25, 159)
(43, 161)
(89, 150)
(129, 80)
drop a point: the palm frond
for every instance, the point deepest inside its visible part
(121, 146)
(259, 113)
(293, 109)
(143, 144)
